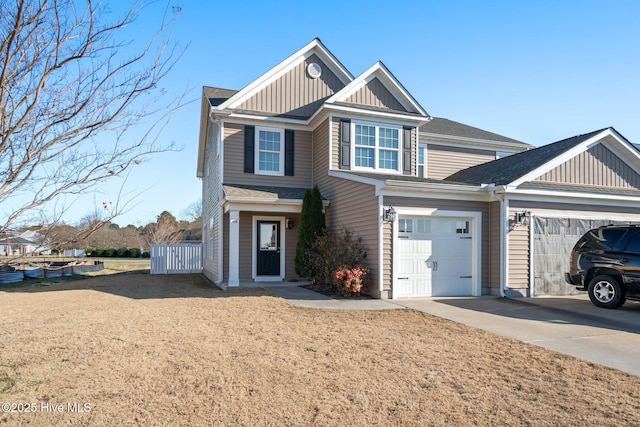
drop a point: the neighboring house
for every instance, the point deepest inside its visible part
(444, 209)
(25, 243)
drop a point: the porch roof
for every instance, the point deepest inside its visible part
(243, 192)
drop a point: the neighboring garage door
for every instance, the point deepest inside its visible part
(433, 257)
(553, 240)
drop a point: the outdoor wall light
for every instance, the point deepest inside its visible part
(521, 218)
(289, 223)
(390, 214)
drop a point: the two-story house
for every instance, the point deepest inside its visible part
(444, 209)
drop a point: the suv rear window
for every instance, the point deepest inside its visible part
(634, 244)
(603, 238)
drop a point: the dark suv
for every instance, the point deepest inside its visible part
(606, 263)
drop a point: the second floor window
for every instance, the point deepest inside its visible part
(376, 147)
(270, 151)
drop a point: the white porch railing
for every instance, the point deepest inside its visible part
(182, 258)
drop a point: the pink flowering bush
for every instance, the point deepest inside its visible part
(350, 281)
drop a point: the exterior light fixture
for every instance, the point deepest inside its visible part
(390, 214)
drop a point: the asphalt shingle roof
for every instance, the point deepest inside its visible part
(239, 191)
(508, 169)
(448, 127)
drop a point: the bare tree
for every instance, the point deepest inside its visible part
(165, 230)
(70, 97)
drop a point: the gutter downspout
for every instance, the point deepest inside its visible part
(503, 239)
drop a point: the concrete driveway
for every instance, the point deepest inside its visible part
(570, 325)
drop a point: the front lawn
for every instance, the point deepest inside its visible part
(136, 349)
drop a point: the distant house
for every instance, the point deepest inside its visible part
(445, 209)
(25, 243)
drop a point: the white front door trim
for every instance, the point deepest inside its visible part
(254, 248)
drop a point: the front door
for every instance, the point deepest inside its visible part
(268, 256)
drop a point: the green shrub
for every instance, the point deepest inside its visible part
(312, 225)
(332, 251)
(134, 253)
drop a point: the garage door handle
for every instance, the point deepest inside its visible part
(403, 278)
(466, 277)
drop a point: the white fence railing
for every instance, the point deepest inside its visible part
(183, 258)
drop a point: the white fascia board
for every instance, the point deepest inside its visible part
(416, 193)
(572, 197)
(459, 141)
(557, 161)
(315, 46)
(388, 80)
(628, 154)
(356, 178)
(409, 120)
(297, 124)
(260, 205)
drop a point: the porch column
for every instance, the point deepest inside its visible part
(234, 248)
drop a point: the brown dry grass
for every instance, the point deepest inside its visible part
(172, 350)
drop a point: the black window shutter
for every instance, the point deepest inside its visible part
(288, 152)
(406, 151)
(249, 148)
(345, 144)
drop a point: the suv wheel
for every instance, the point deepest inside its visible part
(606, 292)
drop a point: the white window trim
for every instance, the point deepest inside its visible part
(377, 147)
(257, 171)
(424, 164)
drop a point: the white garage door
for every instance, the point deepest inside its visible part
(433, 257)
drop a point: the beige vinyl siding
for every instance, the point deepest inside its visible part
(335, 143)
(320, 153)
(443, 161)
(355, 206)
(245, 226)
(291, 241)
(494, 243)
(295, 93)
(518, 265)
(211, 204)
(375, 94)
(387, 262)
(234, 161)
(453, 205)
(597, 166)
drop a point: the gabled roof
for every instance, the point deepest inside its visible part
(445, 127)
(511, 169)
(382, 73)
(314, 47)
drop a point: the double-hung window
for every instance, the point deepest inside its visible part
(376, 147)
(269, 151)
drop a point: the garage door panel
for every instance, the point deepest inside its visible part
(437, 261)
(553, 240)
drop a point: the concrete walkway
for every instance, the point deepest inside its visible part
(569, 325)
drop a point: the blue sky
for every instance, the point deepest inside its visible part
(534, 71)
